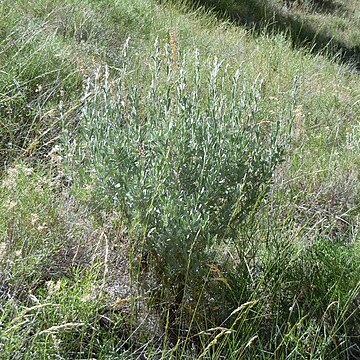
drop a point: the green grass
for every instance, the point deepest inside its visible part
(196, 198)
(317, 24)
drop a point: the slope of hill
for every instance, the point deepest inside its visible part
(174, 186)
(330, 25)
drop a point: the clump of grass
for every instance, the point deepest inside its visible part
(64, 318)
(294, 302)
(52, 273)
(39, 78)
(43, 235)
(29, 226)
(30, 107)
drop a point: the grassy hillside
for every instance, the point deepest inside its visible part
(317, 24)
(176, 186)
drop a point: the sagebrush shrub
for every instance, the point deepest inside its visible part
(184, 159)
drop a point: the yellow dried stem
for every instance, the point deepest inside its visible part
(174, 49)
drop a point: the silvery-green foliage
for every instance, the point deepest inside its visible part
(186, 159)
